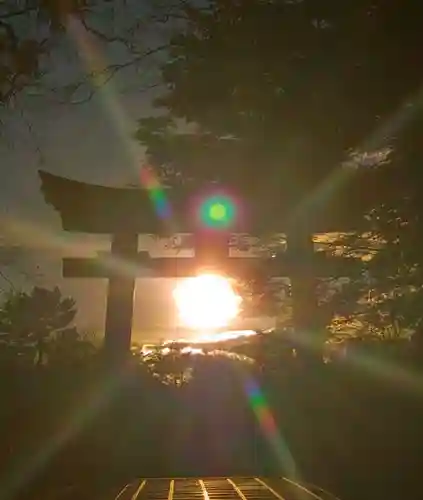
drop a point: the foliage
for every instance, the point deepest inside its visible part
(111, 425)
(69, 347)
(171, 367)
(289, 88)
(262, 296)
(278, 97)
(22, 46)
(30, 320)
(176, 364)
(385, 296)
(33, 43)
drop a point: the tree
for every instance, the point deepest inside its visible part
(281, 98)
(19, 61)
(69, 347)
(292, 88)
(32, 31)
(30, 320)
(172, 367)
(386, 297)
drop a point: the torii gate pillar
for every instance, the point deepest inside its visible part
(120, 297)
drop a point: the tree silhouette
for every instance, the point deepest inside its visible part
(386, 296)
(281, 93)
(289, 103)
(69, 348)
(29, 320)
(32, 31)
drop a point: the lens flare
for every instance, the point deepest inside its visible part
(217, 212)
(206, 302)
(268, 426)
(98, 69)
(157, 195)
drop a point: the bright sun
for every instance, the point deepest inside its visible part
(206, 302)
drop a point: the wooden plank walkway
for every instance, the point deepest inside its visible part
(224, 488)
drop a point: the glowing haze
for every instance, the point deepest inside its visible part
(206, 302)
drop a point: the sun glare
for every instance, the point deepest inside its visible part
(206, 302)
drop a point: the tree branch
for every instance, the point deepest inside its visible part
(8, 281)
(10, 32)
(92, 93)
(108, 39)
(106, 74)
(18, 12)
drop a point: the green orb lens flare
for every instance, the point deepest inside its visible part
(217, 212)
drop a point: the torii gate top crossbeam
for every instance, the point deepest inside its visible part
(105, 210)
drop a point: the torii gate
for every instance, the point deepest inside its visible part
(127, 212)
